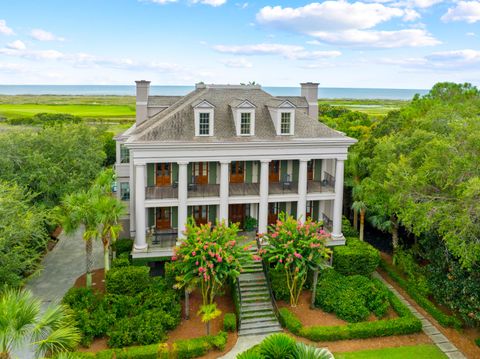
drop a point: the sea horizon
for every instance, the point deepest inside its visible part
(173, 90)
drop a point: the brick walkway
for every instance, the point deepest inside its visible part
(440, 340)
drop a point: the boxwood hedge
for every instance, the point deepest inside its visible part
(356, 257)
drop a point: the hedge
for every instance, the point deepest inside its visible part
(444, 319)
(180, 349)
(230, 322)
(405, 324)
(356, 257)
(477, 341)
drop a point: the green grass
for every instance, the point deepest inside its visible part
(370, 107)
(426, 351)
(85, 111)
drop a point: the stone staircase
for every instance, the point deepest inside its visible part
(257, 315)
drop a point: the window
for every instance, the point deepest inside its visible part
(124, 154)
(285, 123)
(204, 123)
(124, 191)
(245, 123)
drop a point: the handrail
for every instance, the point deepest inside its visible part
(269, 283)
(239, 294)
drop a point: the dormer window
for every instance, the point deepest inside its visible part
(204, 124)
(285, 123)
(243, 112)
(204, 121)
(245, 123)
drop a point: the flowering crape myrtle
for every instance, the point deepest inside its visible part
(295, 247)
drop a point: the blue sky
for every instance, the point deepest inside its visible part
(367, 43)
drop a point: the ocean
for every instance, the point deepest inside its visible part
(122, 90)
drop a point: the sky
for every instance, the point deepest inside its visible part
(366, 43)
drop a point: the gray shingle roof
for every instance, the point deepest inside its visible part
(162, 101)
(176, 123)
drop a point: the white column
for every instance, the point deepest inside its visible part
(131, 204)
(182, 198)
(140, 239)
(263, 206)
(302, 189)
(224, 184)
(338, 202)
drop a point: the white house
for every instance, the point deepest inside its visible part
(227, 152)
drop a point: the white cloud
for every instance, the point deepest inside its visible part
(423, 4)
(470, 34)
(464, 59)
(17, 45)
(242, 5)
(292, 52)
(214, 3)
(411, 15)
(33, 54)
(237, 63)
(327, 16)
(4, 29)
(12, 67)
(468, 11)
(381, 39)
(42, 35)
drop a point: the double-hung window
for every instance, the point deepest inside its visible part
(204, 124)
(124, 191)
(245, 123)
(124, 154)
(285, 123)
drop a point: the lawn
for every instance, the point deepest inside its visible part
(85, 111)
(427, 351)
(370, 107)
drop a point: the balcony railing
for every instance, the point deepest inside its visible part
(244, 189)
(319, 186)
(163, 192)
(286, 187)
(203, 190)
(163, 238)
(327, 222)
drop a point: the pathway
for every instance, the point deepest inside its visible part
(440, 340)
(61, 266)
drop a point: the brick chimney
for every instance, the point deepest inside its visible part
(310, 92)
(143, 90)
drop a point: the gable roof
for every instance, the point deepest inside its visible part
(176, 123)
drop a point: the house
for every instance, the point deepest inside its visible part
(227, 152)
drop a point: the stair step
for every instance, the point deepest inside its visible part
(272, 329)
(256, 315)
(255, 307)
(260, 324)
(257, 293)
(258, 300)
(266, 318)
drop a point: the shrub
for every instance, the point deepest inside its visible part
(290, 321)
(477, 341)
(123, 245)
(192, 348)
(251, 353)
(442, 318)
(278, 280)
(127, 280)
(356, 257)
(351, 298)
(347, 228)
(304, 351)
(218, 341)
(120, 262)
(406, 263)
(277, 346)
(230, 322)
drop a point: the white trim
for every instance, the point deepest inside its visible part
(211, 122)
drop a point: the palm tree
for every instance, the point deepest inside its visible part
(21, 321)
(80, 209)
(209, 312)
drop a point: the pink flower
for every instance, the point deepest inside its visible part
(201, 269)
(219, 259)
(298, 255)
(281, 260)
(274, 235)
(194, 253)
(174, 258)
(196, 263)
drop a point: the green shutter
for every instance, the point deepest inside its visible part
(212, 213)
(317, 170)
(248, 171)
(295, 170)
(189, 172)
(151, 216)
(212, 172)
(293, 209)
(175, 217)
(283, 169)
(190, 211)
(150, 174)
(316, 207)
(174, 172)
(282, 206)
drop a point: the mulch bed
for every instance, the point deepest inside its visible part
(463, 340)
(318, 317)
(187, 329)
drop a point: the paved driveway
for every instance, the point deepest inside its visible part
(61, 266)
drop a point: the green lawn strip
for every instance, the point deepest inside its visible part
(444, 319)
(425, 351)
(406, 323)
(89, 111)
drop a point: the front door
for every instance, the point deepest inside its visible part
(273, 209)
(274, 171)
(163, 220)
(236, 212)
(237, 171)
(200, 171)
(199, 213)
(163, 174)
(310, 170)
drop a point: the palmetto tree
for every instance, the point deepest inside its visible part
(359, 206)
(209, 312)
(80, 210)
(21, 321)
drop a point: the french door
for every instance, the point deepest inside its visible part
(199, 213)
(274, 171)
(163, 174)
(237, 170)
(164, 216)
(200, 171)
(236, 213)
